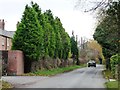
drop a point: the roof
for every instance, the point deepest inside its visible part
(7, 33)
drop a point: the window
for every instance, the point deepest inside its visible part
(3, 41)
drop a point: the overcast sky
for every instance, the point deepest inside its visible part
(83, 24)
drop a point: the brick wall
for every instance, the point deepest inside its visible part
(15, 62)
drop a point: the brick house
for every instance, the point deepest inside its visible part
(12, 60)
(5, 37)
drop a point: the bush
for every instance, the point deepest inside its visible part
(114, 62)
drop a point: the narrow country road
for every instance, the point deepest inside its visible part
(88, 77)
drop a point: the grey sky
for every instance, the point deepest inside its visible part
(72, 19)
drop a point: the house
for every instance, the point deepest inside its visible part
(5, 37)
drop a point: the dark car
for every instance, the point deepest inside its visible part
(91, 63)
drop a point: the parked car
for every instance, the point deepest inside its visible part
(91, 63)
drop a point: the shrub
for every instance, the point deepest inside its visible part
(114, 62)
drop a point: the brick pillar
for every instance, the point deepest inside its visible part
(15, 62)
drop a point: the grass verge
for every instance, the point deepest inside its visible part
(107, 74)
(110, 85)
(6, 85)
(55, 71)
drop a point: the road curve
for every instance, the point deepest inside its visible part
(88, 77)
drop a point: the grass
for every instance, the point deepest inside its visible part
(112, 84)
(55, 71)
(107, 74)
(6, 85)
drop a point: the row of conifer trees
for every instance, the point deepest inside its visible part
(40, 34)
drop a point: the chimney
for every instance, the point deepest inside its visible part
(2, 24)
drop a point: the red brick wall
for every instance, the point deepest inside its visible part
(15, 62)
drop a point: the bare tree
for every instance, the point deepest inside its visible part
(93, 5)
(98, 7)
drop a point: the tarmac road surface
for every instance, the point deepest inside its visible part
(88, 77)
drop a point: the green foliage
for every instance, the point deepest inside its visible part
(67, 46)
(107, 31)
(40, 34)
(50, 22)
(112, 85)
(62, 40)
(59, 39)
(5, 85)
(28, 36)
(54, 71)
(74, 49)
(107, 74)
(114, 61)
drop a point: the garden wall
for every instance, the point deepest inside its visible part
(12, 62)
(15, 63)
